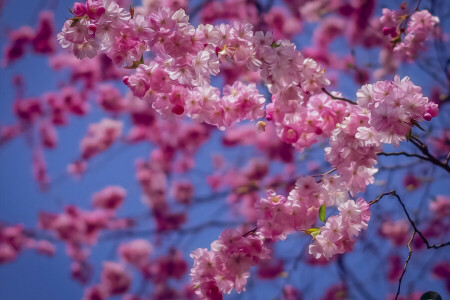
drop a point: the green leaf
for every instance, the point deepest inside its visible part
(275, 45)
(322, 210)
(70, 10)
(396, 40)
(283, 275)
(136, 63)
(312, 231)
(430, 295)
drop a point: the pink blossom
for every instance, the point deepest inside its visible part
(136, 252)
(115, 279)
(110, 198)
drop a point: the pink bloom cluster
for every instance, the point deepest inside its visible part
(14, 239)
(226, 266)
(395, 106)
(279, 216)
(110, 198)
(80, 229)
(420, 26)
(176, 81)
(386, 112)
(177, 143)
(396, 231)
(440, 206)
(115, 280)
(302, 122)
(41, 40)
(353, 151)
(185, 58)
(100, 137)
(338, 234)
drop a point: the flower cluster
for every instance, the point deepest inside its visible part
(386, 112)
(41, 40)
(420, 26)
(301, 121)
(395, 106)
(100, 137)
(226, 266)
(396, 231)
(338, 234)
(279, 216)
(114, 281)
(177, 80)
(14, 239)
(110, 198)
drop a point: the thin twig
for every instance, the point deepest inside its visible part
(424, 149)
(403, 153)
(413, 224)
(338, 98)
(406, 265)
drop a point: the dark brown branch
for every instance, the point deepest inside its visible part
(326, 173)
(413, 224)
(338, 98)
(424, 149)
(250, 232)
(401, 153)
(406, 265)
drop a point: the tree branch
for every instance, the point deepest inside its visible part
(413, 224)
(401, 153)
(424, 149)
(338, 98)
(406, 265)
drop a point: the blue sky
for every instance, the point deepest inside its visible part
(39, 277)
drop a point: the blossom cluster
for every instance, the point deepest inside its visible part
(14, 239)
(420, 25)
(386, 112)
(41, 40)
(226, 266)
(116, 277)
(79, 229)
(100, 137)
(177, 80)
(338, 234)
(302, 123)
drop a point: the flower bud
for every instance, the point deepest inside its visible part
(93, 28)
(79, 10)
(95, 9)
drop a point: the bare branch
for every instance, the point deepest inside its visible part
(406, 265)
(338, 98)
(413, 224)
(402, 153)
